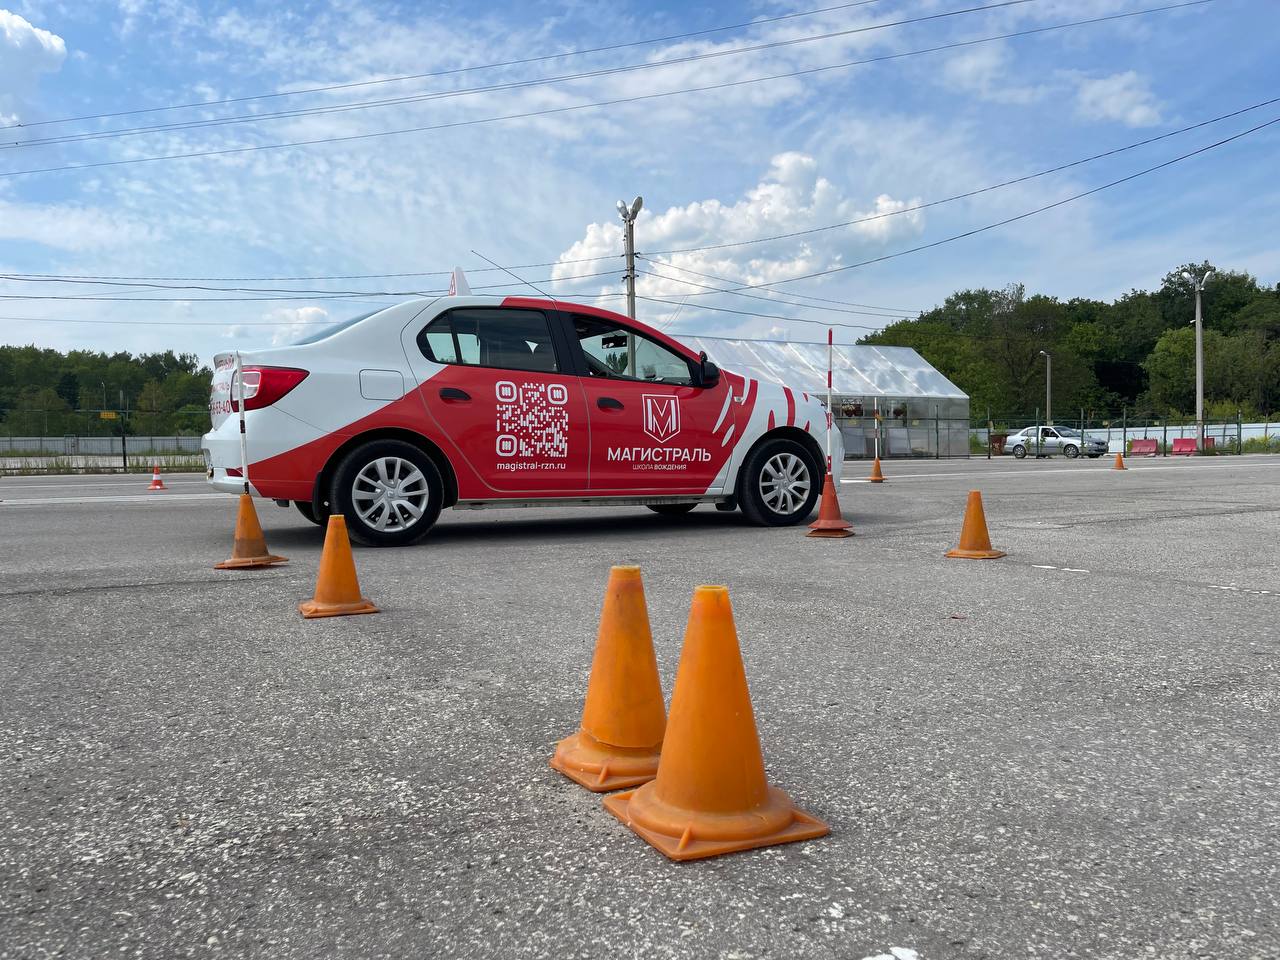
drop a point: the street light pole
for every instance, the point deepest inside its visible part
(1048, 388)
(1198, 287)
(629, 214)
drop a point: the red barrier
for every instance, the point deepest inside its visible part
(1184, 447)
(1144, 448)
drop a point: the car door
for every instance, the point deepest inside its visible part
(496, 382)
(1050, 443)
(651, 426)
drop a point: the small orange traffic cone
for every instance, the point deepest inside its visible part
(1119, 462)
(250, 548)
(156, 482)
(876, 475)
(337, 589)
(830, 522)
(710, 795)
(975, 542)
(620, 738)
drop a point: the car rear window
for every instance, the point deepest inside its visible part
(325, 332)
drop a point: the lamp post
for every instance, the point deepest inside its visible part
(1048, 388)
(1198, 287)
(629, 214)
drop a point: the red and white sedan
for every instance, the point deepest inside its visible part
(472, 402)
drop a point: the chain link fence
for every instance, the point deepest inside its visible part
(989, 436)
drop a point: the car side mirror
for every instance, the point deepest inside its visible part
(708, 372)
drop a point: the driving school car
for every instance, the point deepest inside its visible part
(472, 402)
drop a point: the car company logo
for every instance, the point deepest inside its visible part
(661, 416)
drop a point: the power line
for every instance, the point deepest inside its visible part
(793, 303)
(326, 109)
(1009, 220)
(228, 151)
(444, 73)
(971, 193)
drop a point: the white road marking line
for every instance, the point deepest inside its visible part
(115, 498)
(1073, 570)
(1043, 566)
(70, 485)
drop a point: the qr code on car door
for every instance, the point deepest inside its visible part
(532, 420)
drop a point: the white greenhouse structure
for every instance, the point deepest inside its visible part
(921, 412)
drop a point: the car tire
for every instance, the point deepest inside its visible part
(1071, 451)
(762, 490)
(671, 509)
(361, 484)
(308, 510)
(1019, 452)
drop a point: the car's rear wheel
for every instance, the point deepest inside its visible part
(389, 491)
(1019, 452)
(779, 484)
(1071, 451)
(671, 509)
(308, 510)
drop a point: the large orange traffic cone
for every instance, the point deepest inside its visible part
(830, 522)
(1119, 462)
(876, 475)
(250, 548)
(710, 796)
(620, 738)
(975, 542)
(337, 589)
(156, 482)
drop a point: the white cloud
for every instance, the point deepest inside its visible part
(26, 52)
(1123, 97)
(791, 197)
(294, 322)
(71, 226)
(985, 71)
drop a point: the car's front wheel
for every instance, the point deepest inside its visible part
(671, 509)
(1019, 452)
(389, 491)
(779, 484)
(1071, 451)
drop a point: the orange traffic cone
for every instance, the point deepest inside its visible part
(156, 482)
(876, 475)
(250, 548)
(337, 589)
(620, 738)
(975, 542)
(711, 796)
(830, 523)
(1119, 462)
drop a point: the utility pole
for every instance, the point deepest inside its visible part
(629, 215)
(1048, 388)
(1198, 287)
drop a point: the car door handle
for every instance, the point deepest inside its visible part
(608, 403)
(453, 393)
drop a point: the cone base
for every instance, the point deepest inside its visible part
(875, 479)
(831, 533)
(601, 767)
(959, 554)
(311, 609)
(249, 563)
(155, 486)
(688, 846)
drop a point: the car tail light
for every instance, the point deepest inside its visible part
(263, 386)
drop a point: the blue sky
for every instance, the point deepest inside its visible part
(714, 167)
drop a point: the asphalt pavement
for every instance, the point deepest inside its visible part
(1068, 752)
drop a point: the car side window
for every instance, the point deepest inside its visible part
(491, 337)
(619, 353)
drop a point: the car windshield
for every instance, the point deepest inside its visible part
(1067, 432)
(326, 332)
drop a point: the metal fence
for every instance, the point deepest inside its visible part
(1221, 435)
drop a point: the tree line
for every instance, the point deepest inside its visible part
(1137, 352)
(49, 393)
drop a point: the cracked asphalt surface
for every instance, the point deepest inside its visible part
(1070, 752)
